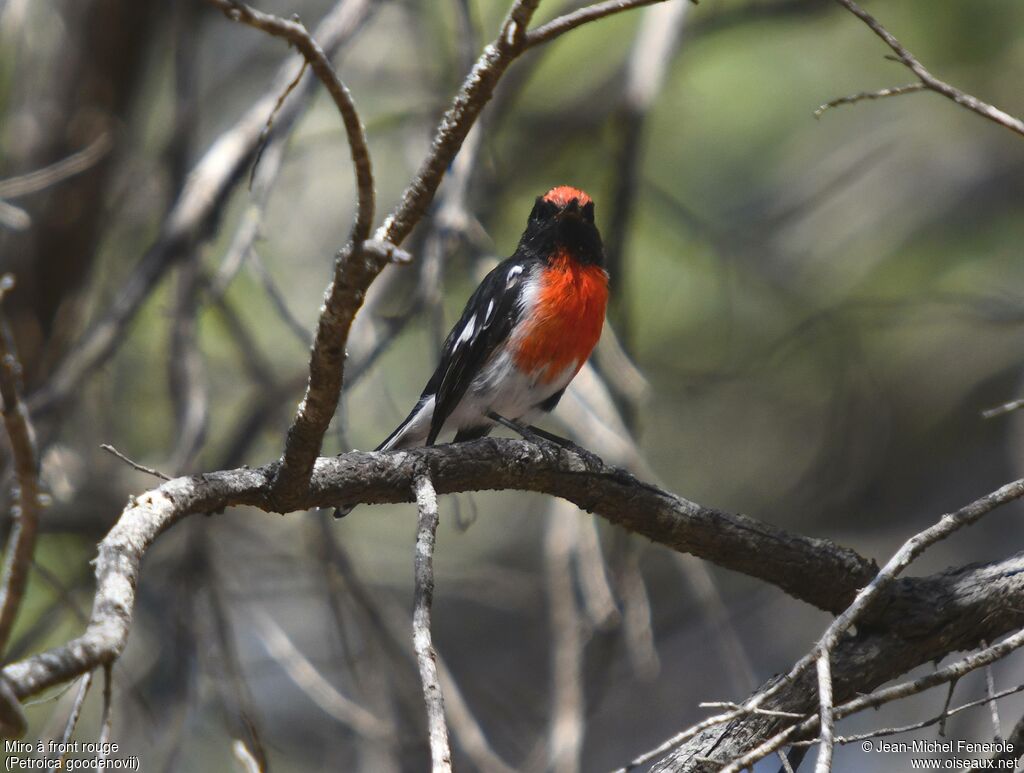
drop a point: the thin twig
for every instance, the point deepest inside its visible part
(745, 710)
(570, 21)
(938, 719)
(186, 370)
(298, 36)
(426, 658)
(999, 410)
(907, 553)
(245, 758)
(881, 697)
(928, 80)
(827, 732)
(390, 622)
(73, 715)
(1015, 741)
(277, 299)
(265, 134)
(308, 679)
(990, 687)
(134, 465)
(28, 494)
(945, 707)
(860, 96)
(76, 163)
(107, 717)
(568, 708)
(239, 691)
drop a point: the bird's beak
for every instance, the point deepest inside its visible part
(571, 210)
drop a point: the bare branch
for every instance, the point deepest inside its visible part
(426, 658)
(73, 715)
(28, 495)
(312, 682)
(133, 464)
(742, 543)
(475, 92)
(107, 717)
(990, 687)
(825, 716)
(196, 210)
(298, 36)
(735, 541)
(928, 80)
(910, 550)
(880, 697)
(945, 714)
(1016, 743)
(390, 622)
(860, 96)
(571, 21)
(76, 163)
(999, 410)
(568, 707)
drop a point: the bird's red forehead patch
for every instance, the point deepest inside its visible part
(563, 194)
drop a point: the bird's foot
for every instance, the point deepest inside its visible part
(545, 440)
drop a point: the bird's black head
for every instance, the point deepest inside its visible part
(562, 221)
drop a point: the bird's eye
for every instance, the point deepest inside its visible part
(588, 212)
(543, 210)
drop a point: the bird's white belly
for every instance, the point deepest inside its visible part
(507, 391)
(501, 387)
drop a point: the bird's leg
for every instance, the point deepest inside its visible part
(542, 437)
(525, 431)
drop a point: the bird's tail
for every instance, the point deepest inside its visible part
(413, 431)
(408, 434)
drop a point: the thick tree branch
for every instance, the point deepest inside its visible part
(914, 621)
(973, 603)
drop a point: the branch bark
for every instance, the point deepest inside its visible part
(422, 639)
(975, 602)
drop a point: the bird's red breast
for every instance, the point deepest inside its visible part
(565, 321)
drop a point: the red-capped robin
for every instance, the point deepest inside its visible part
(525, 332)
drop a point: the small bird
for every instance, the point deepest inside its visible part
(525, 332)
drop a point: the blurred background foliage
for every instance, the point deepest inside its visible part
(821, 309)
